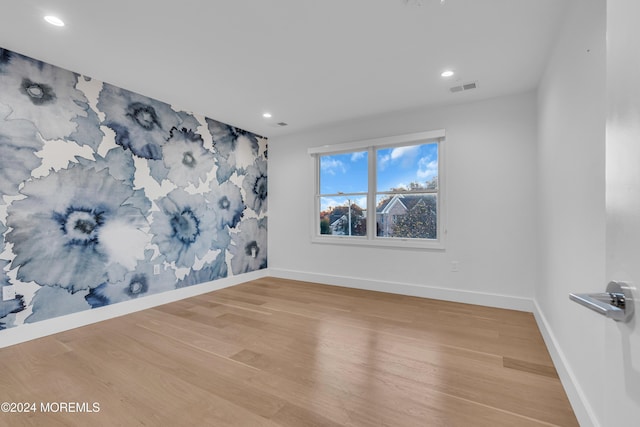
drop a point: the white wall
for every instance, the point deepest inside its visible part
(571, 206)
(490, 156)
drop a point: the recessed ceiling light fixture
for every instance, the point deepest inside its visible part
(54, 20)
(447, 73)
(267, 115)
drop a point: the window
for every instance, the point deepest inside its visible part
(387, 191)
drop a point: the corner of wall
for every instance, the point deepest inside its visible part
(584, 412)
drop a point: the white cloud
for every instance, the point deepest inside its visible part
(427, 168)
(383, 161)
(357, 156)
(401, 152)
(327, 202)
(331, 165)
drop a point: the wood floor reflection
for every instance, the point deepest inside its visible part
(276, 352)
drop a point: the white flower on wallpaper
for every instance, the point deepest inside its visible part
(149, 206)
(57, 230)
(141, 124)
(43, 94)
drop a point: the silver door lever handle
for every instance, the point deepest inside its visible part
(616, 303)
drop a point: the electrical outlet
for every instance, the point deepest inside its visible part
(455, 266)
(8, 293)
(156, 269)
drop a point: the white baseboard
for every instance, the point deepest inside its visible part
(455, 295)
(43, 328)
(581, 407)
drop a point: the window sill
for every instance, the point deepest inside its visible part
(434, 245)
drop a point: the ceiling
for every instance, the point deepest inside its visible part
(308, 62)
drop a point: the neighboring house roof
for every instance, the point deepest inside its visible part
(396, 200)
(341, 218)
(408, 202)
(415, 199)
(382, 205)
(335, 216)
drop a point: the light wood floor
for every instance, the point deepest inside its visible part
(276, 352)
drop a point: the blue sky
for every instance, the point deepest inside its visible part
(399, 166)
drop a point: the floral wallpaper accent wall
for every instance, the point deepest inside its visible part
(107, 195)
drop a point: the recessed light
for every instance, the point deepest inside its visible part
(447, 73)
(54, 20)
(267, 115)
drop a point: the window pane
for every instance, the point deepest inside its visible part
(343, 173)
(412, 216)
(343, 216)
(407, 168)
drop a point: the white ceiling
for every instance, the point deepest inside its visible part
(308, 62)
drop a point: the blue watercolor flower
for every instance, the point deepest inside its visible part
(19, 142)
(141, 124)
(3, 263)
(255, 186)
(185, 228)
(226, 200)
(54, 301)
(234, 148)
(214, 271)
(8, 308)
(44, 94)
(5, 56)
(140, 282)
(249, 246)
(224, 136)
(120, 165)
(118, 161)
(72, 225)
(186, 158)
(11, 306)
(88, 131)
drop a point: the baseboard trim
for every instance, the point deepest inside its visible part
(581, 407)
(455, 295)
(41, 329)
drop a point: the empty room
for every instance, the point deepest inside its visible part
(320, 213)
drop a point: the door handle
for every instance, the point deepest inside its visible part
(616, 303)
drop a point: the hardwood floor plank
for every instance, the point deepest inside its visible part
(534, 368)
(275, 352)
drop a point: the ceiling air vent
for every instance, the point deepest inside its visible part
(464, 87)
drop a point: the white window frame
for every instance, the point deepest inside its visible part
(371, 145)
